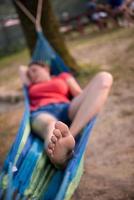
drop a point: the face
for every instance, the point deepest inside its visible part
(38, 74)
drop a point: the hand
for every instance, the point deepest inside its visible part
(23, 75)
(23, 68)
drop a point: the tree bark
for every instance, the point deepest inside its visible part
(50, 28)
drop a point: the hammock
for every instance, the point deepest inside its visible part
(27, 173)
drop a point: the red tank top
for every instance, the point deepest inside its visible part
(55, 90)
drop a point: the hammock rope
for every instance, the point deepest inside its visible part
(25, 11)
(35, 20)
(48, 52)
(38, 16)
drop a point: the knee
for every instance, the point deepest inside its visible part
(105, 80)
(42, 122)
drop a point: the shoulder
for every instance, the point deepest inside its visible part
(65, 75)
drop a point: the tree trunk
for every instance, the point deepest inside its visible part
(50, 28)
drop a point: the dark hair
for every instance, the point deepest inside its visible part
(40, 63)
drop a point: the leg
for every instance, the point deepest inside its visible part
(84, 107)
(58, 140)
(43, 125)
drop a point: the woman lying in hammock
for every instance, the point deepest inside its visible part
(50, 104)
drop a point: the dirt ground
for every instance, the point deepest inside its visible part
(109, 159)
(109, 163)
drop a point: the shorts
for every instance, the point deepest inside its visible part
(58, 110)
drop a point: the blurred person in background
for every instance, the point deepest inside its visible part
(116, 10)
(96, 14)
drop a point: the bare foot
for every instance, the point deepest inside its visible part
(61, 144)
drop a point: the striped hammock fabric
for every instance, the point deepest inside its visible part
(27, 173)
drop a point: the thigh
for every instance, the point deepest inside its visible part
(101, 81)
(78, 100)
(74, 105)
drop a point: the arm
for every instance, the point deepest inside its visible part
(23, 75)
(73, 86)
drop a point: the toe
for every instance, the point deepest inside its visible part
(50, 153)
(63, 128)
(54, 139)
(57, 133)
(51, 146)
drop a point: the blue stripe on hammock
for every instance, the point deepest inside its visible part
(28, 165)
(24, 175)
(25, 150)
(12, 154)
(44, 52)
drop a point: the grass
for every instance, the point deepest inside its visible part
(18, 57)
(111, 50)
(93, 38)
(9, 79)
(86, 72)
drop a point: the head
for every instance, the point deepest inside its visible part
(38, 72)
